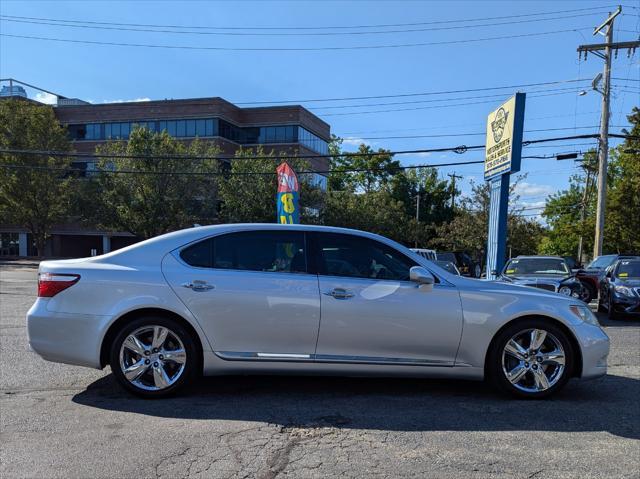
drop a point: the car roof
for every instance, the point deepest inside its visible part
(538, 257)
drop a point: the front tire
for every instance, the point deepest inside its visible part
(153, 357)
(530, 359)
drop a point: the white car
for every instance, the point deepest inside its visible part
(298, 299)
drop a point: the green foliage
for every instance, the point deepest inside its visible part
(468, 230)
(374, 211)
(35, 199)
(376, 170)
(248, 195)
(622, 221)
(622, 216)
(154, 199)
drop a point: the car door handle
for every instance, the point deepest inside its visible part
(198, 285)
(339, 293)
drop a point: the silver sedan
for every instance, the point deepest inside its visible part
(292, 299)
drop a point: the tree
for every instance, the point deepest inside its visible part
(374, 170)
(622, 229)
(153, 195)
(468, 230)
(248, 195)
(34, 189)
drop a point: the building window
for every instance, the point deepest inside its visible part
(190, 128)
(9, 244)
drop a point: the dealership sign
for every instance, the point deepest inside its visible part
(504, 138)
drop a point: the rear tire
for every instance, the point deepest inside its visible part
(530, 366)
(153, 357)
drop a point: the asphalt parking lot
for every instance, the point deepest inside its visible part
(61, 421)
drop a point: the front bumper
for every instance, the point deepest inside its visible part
(594, 344)
(65, 338)
(626, 305)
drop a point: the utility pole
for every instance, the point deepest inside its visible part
(453, 187)
(603, 150)
(417, 218)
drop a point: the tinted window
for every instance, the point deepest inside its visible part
(536, 266)
(275, 251)
(199, 254)
(447, 257)
(346, 255)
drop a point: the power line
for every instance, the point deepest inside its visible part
(112, 27)
(334, 27)
(429, 93)
(435, 106)
(413, 102)
(289, 49)
(456, 149)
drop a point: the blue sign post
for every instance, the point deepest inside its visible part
(503, 155)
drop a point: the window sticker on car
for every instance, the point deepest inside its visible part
(623, 275)
(515, 261)
(511, 271)
(625, 263)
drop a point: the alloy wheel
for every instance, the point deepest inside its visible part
(152, 358)
(533, 360)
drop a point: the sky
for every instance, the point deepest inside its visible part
(303, 51)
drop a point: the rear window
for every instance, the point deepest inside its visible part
(199, 255)
(269, 251)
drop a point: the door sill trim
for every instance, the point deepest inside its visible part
(328, 358)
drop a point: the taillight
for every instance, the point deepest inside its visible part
(50, 284)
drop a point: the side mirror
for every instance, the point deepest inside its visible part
(420, 275)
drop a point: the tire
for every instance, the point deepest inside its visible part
(601, 308)
(591, 293)
(611, 314)
(477, 271)
(556, 369)
(153, 374)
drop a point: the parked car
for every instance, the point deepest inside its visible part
(463, 261)
(595, 271)
(620, 289)
(242, 299)
(551, 273)
(448, 266)
(430, 254)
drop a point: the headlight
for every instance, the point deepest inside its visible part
(584, 313)
(624, 291)
(566, 290)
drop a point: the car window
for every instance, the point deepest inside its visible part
(628, 269)
(271, 251)
(601, 262)
(358, 257)
(199, 254)
(447, 257)
(536, 266)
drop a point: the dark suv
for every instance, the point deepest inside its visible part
(463, 261)
(591, 276)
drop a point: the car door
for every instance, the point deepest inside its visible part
(372, 313)
(251, 293)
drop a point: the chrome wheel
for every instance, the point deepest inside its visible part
(152, 358)
(533, 360)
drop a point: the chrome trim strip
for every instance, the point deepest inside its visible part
(327, 358)
(332, 358)
(283, 356)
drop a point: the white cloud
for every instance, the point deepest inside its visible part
(353, 141)
(46, 98)
(525, 189)
(134, 100)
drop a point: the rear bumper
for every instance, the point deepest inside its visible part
(65, 338)
(594, 343)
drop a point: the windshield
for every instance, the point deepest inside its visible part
(628, 269)
(517, 267)
(601, 262)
